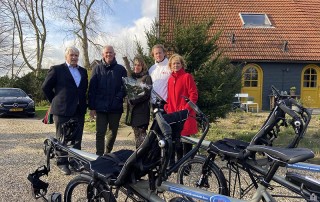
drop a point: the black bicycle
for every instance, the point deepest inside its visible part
(102, 178)
(246, 167)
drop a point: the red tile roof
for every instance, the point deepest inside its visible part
(294, 21)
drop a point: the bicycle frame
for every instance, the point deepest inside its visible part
(83, 158)
(252, 165)
(305, 166)
(298, 166)
(281, 180)
(142, 187)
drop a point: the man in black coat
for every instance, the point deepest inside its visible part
(106, 93)
(65, 87)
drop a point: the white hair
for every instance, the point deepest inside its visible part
(71, 49)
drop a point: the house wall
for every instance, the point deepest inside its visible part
(282, 76)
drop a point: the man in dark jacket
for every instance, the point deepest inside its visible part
(65, 87)
(106, 93)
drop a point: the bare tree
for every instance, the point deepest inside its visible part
(29, 22)
(6, 44)
(82, 19)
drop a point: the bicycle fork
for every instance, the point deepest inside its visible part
(203, 181)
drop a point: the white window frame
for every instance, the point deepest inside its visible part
(267, 24)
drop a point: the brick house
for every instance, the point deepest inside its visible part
(276, 42)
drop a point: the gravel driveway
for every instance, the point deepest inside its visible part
(21, 152)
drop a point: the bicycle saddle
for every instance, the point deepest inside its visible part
(229, 147)
(287, 155)
(110, 165)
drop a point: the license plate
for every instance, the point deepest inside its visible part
(16, 110)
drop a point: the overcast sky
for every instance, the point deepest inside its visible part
(128, 22)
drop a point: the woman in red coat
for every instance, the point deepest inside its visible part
(182, 84)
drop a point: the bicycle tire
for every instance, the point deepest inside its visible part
(81, 182)
(189, 174)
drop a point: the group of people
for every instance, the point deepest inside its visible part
(66, 86)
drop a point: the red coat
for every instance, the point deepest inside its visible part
(182, 84)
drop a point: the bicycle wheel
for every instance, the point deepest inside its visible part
(189, 174)
(77, 190)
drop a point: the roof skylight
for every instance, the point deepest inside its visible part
(255, 20)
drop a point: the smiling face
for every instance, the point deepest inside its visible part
(158, 54)
(137, 67)
(72, 57)
(108, 54)
(176, 64)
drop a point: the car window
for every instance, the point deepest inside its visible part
(12, 93)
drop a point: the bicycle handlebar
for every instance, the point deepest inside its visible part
(300, 118)
(159, 102)
(288, 110)
(193, 106)
(163, 125)
(165, 145)
(275, 91)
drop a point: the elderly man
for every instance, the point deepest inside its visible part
(65, 87)
(106, 93)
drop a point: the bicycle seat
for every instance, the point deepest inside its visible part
(229, 147)
(287, 155)
(111, 164)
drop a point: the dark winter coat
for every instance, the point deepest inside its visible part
(106, 90)
(139, 108)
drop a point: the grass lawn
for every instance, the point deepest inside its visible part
(242, 125)
(41, 111)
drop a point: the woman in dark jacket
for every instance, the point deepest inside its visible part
(138, 107)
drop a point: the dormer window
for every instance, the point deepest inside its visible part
(255, 20)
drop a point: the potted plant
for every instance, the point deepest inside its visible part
(293, 90)
(250, 99)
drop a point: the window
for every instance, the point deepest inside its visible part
(13, 92)
(310, 78)
(250, 77)
(254, 20)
